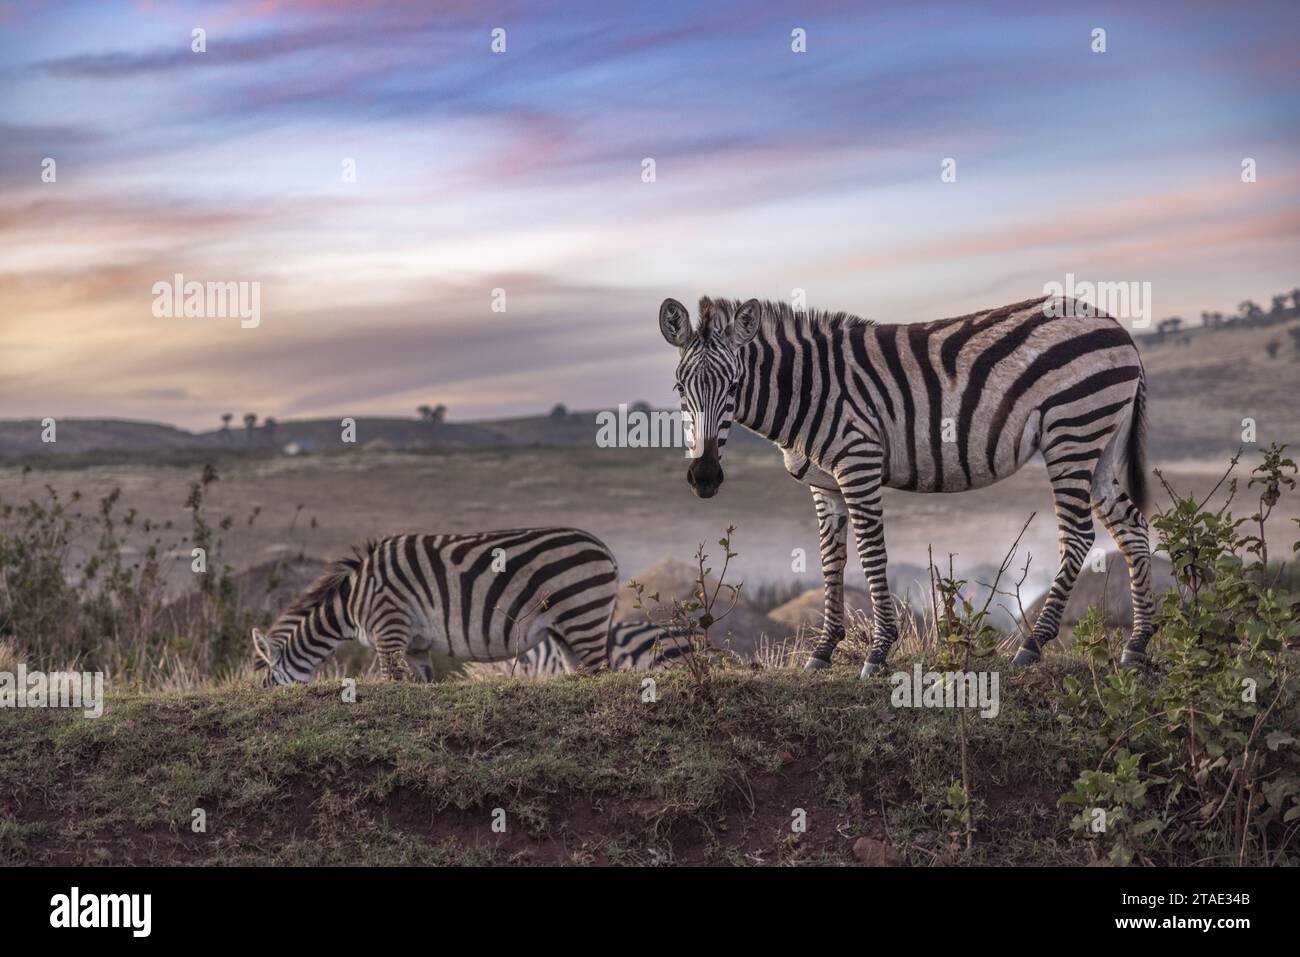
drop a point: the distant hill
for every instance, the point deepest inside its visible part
(21, 438)
(1202, 380)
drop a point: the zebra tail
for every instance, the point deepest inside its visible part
(1136, 453)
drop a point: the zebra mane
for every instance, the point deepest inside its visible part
(775, 313)
(329, 581)
(360, 554)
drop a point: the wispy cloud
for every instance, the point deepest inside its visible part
(523, 171)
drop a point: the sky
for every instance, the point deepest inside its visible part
(524, 171)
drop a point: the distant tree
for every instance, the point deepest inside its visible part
(225, 426)
(433, 414)
(268, 426)
(1271, 348)
(1249, 310)
(1168, 326)
(559, 412)
(1279, 306)
(250, 421)
(1295, 298)
(642, 406)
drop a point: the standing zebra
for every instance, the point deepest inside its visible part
(928, 407)
(478, 597)
(633, 646)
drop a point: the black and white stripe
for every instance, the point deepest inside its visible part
(480, 597)
(633, 646)
(928, 407)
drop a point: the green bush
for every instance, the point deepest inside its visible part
(1199, 760)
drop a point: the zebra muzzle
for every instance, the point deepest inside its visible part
(705, 475)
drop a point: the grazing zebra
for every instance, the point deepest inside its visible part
(477, 597)
(633, 646)
(928, 407)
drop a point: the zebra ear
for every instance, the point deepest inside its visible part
(745, 324)
(674, 322)
(261, 649)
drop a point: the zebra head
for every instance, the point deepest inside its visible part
(709, 376)
(306, 632)
(268, 656)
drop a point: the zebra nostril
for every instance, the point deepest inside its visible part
(704, 475)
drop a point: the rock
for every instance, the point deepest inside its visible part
(874, 853)
(267, 587)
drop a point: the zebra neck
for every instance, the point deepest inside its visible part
(769, 403)
(328, 623)
(754, 395)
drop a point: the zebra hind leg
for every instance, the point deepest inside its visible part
(1071, 487)
(1128, 527)
(585, 644)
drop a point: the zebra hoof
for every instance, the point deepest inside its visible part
(815, 664)
(1133, 659)
(1025, 657)
(872, 668)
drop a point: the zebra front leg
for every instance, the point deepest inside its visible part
(393, 666)
(860, 485)
(392, 642)
(832, 540)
